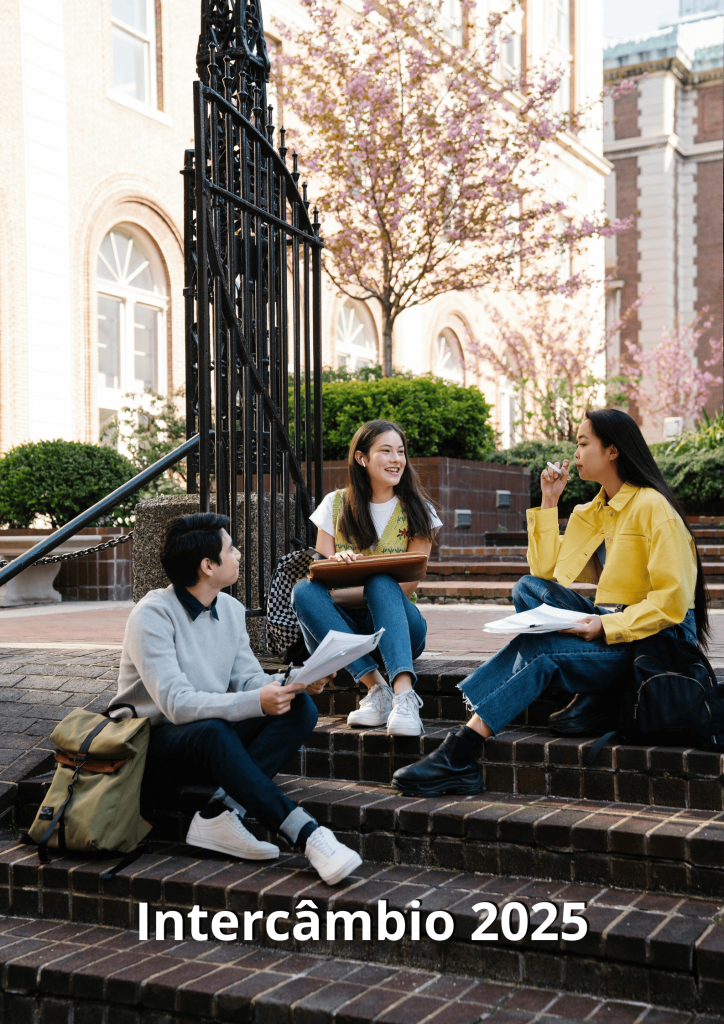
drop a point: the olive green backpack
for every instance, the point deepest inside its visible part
(93, 805)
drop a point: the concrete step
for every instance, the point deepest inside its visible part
(642, 946)
(83, 973)
(489, 592)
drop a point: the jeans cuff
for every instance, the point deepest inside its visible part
(294, 822)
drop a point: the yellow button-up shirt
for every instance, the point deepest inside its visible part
(650, 558)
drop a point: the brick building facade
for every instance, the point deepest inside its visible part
(96, 116)
(665, 142)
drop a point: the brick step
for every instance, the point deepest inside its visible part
(509, 570)
(557, 824)
(704, 533)
(711, 552)
(468, 554)
(80, 973)
(500, 592)
(639, 945)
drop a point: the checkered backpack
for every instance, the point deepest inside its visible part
(284, 637)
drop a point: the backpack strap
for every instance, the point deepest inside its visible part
(79, 762)
(598, 747)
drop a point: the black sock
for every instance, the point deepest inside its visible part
(304, 833)
(213, 809)
(467, 745)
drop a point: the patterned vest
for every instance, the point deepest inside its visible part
(394, 537)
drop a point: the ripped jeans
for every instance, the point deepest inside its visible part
(505, 685)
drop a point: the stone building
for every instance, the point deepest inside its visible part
(664, 140)
(96, 116)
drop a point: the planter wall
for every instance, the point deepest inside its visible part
(104, 576)
(463, 484)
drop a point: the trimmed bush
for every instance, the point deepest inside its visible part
(59, 479)
(438, 418)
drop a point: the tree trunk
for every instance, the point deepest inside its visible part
(387, 324)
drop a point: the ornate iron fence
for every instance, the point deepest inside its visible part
(253, 303)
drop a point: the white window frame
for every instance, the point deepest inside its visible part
(113, 398)
(149, 39)
(451, 21)
(447, 335)
(350, 355)
(560, 50)
(509, 411)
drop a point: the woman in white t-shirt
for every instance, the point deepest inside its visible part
(383, 510)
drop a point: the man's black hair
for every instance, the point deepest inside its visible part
(187, 541)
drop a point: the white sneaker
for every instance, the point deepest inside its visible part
(226, 834)
(404, 718)
(330, 858)
(374, 709)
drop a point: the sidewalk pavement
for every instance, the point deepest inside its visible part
(454, 631)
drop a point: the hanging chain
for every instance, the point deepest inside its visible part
(52, 559)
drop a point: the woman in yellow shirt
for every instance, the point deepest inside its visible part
(634, 542)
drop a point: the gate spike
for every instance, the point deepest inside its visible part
(228, 77)
(315, 222)
(269, 125)
(304, 196)
(282, 147)
(256, 110)
(244, 95)
(213, 66)
(295, 172)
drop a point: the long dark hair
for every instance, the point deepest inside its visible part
(636, 466)
(355, 520)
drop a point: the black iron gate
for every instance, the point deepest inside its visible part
(253, 304)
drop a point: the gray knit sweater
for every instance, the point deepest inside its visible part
(177, 670)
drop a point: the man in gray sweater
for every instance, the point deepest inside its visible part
(215, 715)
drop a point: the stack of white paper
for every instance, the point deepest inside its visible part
(543, 619)
(336, 651)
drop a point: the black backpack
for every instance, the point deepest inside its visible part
(671, 699)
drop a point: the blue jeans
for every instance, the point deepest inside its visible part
(240, 757)
(505, 685)
(386, 605)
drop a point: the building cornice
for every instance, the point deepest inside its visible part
(673, 65)
(573, 145)
(697, 153)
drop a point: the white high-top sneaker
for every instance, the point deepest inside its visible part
(226, 834)
(331, 859)
(404, 718)
(374, 709)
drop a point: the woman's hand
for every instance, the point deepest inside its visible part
(552, 484)
(346, 556)
(587, 629)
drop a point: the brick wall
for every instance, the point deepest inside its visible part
(459, 483)
(626, 116)
(627, 247)
(709, 259)
(709, 114)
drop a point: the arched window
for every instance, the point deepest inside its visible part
(131, 315)
(355, 344)
(449, 362)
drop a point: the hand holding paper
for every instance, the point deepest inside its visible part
(543, 619)
(336, 651)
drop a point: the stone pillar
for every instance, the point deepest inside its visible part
(151, 518)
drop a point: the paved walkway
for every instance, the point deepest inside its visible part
(453, 630)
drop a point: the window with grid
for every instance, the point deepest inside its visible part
(356, 346)
(559, 29)
(131, 314)
(133, 25)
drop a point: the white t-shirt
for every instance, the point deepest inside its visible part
(381, 512)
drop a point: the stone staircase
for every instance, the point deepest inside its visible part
(488, 573)
(639, 838)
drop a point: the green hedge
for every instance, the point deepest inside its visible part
(438, 418)
(59, 479)
(695, 477)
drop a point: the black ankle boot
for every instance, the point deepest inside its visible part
(452, 768)
(587, 714)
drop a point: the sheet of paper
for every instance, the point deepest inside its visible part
(543, 619)
(336, 651)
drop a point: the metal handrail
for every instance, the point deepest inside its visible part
(104, 505)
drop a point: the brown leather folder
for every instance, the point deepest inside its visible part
(407, 567)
